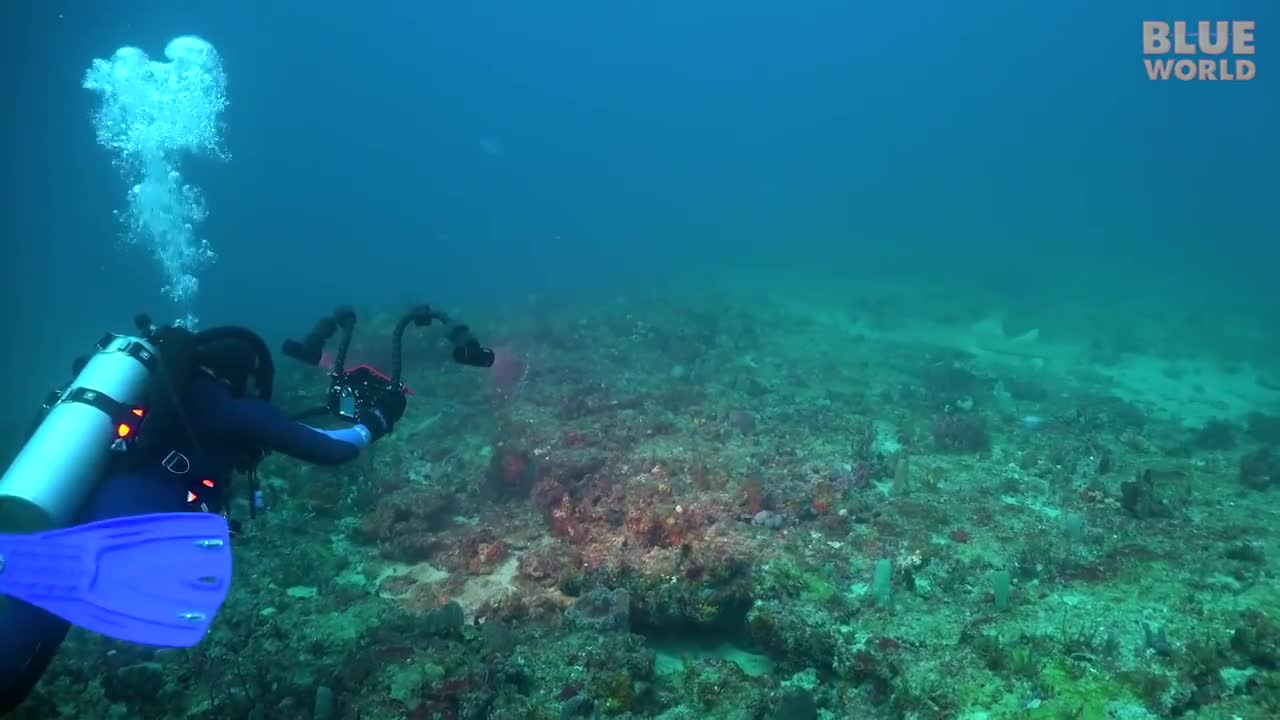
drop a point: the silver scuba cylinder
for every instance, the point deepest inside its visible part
(69, 452)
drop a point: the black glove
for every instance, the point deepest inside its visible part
(381, 415)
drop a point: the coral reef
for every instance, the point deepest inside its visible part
(699, 519)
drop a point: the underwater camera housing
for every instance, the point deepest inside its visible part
(352, 391)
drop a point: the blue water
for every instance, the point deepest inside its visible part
(464, 153)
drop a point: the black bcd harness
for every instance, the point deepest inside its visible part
(156, 430)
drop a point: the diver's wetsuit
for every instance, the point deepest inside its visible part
(222, 427)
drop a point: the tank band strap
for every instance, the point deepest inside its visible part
(113, 408)
(133, 349)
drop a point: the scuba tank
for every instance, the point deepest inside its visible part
(126, 401)
(95, 416)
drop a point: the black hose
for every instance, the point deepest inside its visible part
(420, 316)
(345, 319)
(311, 348)
(466, 349)
(397, 348)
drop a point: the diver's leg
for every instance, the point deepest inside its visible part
(29, 636)
(29, 640)
(138, 491)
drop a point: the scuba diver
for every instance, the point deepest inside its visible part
(97, 527)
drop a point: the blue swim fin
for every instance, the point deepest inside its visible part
(150, 579)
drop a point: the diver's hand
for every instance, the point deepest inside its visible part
(382, 414)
